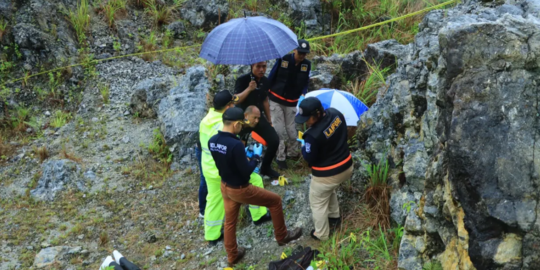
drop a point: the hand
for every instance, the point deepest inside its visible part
(258, 149)
(252, 86)
(302, 141)
(249, 153)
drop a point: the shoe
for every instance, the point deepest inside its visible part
(201, 215)
(313, 235)
(241, 253)
(214, 242)
(117, 256)
(270, 173)
(282, 164)
(106, 263)
(291, 236)
(334, 223)
(263, 219)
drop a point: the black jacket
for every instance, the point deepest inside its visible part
(326, 149)
(257, 96)
(288, 81)
(230, 158)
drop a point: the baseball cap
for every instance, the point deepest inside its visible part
(222, 98)
(303, 46)
(308, 107)
(235, 114)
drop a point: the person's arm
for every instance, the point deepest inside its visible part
(266, 107)
(304, 91)
(310, 150)
(245, 167)
(273, 72)
(243, 93)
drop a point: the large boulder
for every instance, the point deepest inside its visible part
(181, 111)
(57, 175)
(459, 124)
(51, 256)
(308, 13)
(205, 13)
(148, 94)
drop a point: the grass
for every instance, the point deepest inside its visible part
(6, 149)
(377, 194)
(367, 89)
(160, 13)
(111, 10)
(3, 27)
(60, 118)
(360, 244)
(159, 149)
(41, 152)
(66, 154)
(105, 92)
(80, 19)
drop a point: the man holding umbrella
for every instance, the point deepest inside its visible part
(289, 80)
(327, 153)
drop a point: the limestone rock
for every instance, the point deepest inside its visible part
(205, 13)
(58, 175)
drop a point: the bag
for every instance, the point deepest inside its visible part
(298, 261)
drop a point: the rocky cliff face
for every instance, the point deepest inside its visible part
(459, 122)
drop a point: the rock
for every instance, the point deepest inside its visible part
(51, 255)
(47, 113)
(386, 53)
(147, 95)
(205, 13)
(27, 36)
(168, 253)
(178, 29)
(181, 111)
(56, 176)
(125, 139)
(183, 256)
(309, 14)
(150, 237)
(509, 250)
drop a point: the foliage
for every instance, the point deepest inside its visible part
(433, 265)
(41, 152)
(60, 118)
(159, 149)
(160, 13)
(377, 194)
(104, 91)
(366, 90)
(3, 27)
(80, 19)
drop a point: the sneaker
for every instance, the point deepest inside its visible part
(215, 242)
(239, 256)
(201, 215)
(117, 256)
(106, 263)
(270, 173)
(282, 164)
(263, 219)
(291, 236)
(313, 235)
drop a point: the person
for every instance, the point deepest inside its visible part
(326, 151)
(118, 263)
(235, 170)
(289, 80)
(252, 89)
(252, 115)
(214, 211)
(203, 189)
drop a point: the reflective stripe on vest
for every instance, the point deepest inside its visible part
(282, 98)
(327, 168)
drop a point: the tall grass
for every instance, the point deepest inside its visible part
(377, 193)
(3, 27)
(366, 89)
(160, 13)
(80, 19)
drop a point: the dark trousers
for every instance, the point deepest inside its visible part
(124, 265)
(234, 198)
(269, 134)
(203, 189)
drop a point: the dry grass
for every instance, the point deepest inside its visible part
(160, 12)
(66, 154)
(6, 149)
(41, 152)
(378, 199)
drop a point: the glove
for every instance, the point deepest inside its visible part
(258, 149)
(249, 153)
(302, 141)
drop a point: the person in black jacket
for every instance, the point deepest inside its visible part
(252, 89)
(235, 170)
(327, 153)
(289, 80)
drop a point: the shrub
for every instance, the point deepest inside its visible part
(377, 194)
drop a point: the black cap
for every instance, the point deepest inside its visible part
(303, 46)
(308, 107)
(222, 98)
(235, 114)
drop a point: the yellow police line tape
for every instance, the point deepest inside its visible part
(197, 45)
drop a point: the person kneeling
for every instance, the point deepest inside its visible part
(235, 170)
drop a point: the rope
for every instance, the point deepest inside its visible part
(198, 45)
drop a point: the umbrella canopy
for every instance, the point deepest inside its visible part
(246, 41)
(345, 102)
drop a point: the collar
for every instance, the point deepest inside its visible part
(227, 134)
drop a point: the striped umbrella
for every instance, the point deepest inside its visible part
(350, 106)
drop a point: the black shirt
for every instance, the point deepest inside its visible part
(230, 158)
(257, 96)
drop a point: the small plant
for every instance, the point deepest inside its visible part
(160, 13)
(80, 19)
(167, 39)
(112, 9)
(60, 118)
(104, 91)
(3, 27)
(377, 194)
(41, 152)
(117, 46)
(433, 265)
(64, 153)
(103, 238)
(159, 149)
(149, 44)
